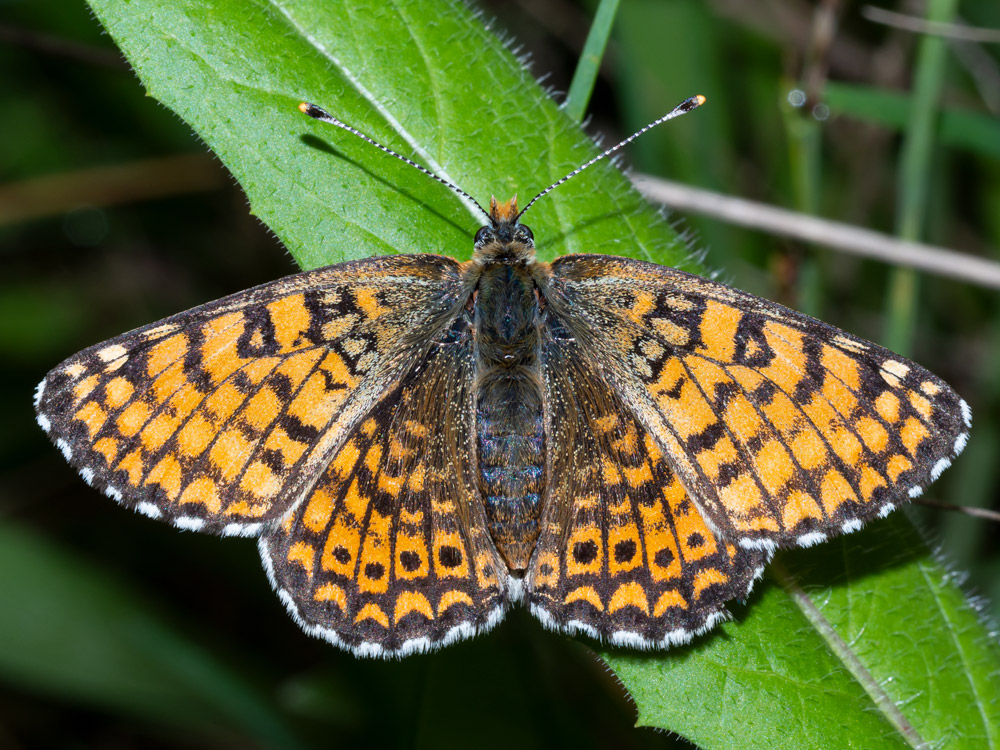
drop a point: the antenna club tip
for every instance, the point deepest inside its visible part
(313, 111)
(688, 104)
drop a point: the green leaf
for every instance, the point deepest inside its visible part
(423, 78)
(589, 63)
(958, 128)
(915, 175)
(426, 79)
(865, 641)
(119, 654)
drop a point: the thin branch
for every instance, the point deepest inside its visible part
(969, 510)
(831, 234)
(935, 28)
(817, 62)
(109, 186)
(984, 70)
(48, 44)
(782, 22)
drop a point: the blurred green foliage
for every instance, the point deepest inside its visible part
(178, 641)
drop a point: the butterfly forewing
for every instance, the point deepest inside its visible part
(221, 417)
(624, 554)
(390, 554)
(782, 429)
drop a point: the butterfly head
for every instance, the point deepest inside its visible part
(504, 238)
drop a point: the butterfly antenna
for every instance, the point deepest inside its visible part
(684, 107)
(317, 113)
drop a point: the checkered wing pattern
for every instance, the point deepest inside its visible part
(221, 418)
(624, 555)
(783, 430)
(389, 554)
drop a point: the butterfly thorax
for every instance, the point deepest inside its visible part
(509, 424)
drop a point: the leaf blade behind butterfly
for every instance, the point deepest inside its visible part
(237, 71)
(449, 93)
(912, 661)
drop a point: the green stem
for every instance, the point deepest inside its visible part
(590, 61)
(805, 161)
(915, 173)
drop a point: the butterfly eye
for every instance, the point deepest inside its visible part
(525, 235)
(482, 236)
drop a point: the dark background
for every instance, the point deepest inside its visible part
(111, 216)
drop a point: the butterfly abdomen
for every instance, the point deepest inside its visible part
(509, 430)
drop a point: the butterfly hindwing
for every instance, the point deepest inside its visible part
(389, 554)
(624, 555)
(784, 430)
(219, 417)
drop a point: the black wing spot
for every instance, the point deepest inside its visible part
(450, 557)
(624, 551)
(663, 558)
(752, 348)
(585, 552)
(410, 560)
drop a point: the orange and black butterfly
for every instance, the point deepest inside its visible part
(420, 443)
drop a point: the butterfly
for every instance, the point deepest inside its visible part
(418, 443)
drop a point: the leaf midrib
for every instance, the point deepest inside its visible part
(843, 652)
